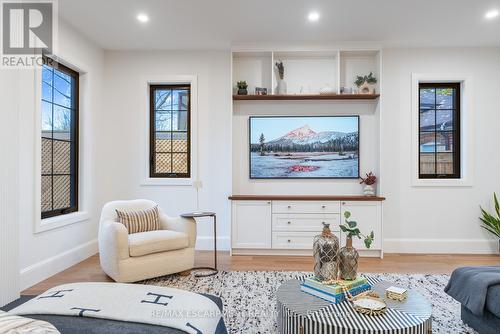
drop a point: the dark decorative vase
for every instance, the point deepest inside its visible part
(242, 91)
(325, 249)
(348, 261)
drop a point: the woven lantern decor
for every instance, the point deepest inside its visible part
(348, 261)
(325, 248)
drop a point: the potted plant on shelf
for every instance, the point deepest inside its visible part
(490, 222)
(348, 255)
(281, 85)
(369, 181)
(242, 87)
(366, 84)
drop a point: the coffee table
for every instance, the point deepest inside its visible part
(301, 313)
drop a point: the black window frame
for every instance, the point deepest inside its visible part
(152, 132)
(75, 143)
(456, 153)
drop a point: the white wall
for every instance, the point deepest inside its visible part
(9, 186)
(369, 150)
(122, 133)
(46, 253)
(432, 220)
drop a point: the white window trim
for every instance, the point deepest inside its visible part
(466, 130)
(85, 164)
(145, 83)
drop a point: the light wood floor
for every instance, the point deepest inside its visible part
(90, 271)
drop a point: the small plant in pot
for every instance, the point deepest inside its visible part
(369, 182)
(242, 87)
(490, 222)
(348, 255)
(366, 83)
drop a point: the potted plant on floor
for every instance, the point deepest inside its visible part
(490, 222)
(348, 255)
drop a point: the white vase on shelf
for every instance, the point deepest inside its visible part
(281, 87)
(369, 190)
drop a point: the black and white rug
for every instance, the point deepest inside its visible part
(250, 302)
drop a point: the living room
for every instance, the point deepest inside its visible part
(233, 154)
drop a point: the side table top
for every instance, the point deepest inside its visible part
(198, 214)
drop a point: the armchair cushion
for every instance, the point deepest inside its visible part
(140, 220)
(150, 242)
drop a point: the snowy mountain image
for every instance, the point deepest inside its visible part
(314, 147)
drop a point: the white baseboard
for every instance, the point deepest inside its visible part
(441, 246)
(207, 243)
(44, 269)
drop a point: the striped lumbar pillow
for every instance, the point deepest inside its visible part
(140, 221)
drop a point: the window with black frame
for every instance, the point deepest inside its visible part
(439, 130)
(59, 139)
(170, 134)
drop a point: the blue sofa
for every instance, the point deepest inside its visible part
(478, 291)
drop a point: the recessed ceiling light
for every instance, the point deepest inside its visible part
(313, 16)
(143, 18)
(492, 14)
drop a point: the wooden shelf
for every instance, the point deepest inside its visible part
(304, 198)
(306, 97)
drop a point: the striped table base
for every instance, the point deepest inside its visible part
(301, 313)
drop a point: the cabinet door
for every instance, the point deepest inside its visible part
(251, 225)
(368, 215)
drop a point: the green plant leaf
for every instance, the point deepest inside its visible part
(368, 242)
(343, 228)
(497, 206)
(347, 214)
(352, 223)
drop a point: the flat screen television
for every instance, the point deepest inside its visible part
(304, 147)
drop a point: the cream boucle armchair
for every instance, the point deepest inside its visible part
(139, 256)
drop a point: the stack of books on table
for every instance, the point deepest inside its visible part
(334, 293)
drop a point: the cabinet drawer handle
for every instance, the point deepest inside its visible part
(289, 240)
(343, 203)
(323, 206)
(268, 202)
(289, 223)
(289, 206)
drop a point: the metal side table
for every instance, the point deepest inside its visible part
(195, 215)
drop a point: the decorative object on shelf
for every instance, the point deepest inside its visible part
(242, 87)
(369, 303)
(395, 293)
(281, 85)
(327, 89)
(366, 84)
(346, 90)
(369, 182)
(260, 91)
(325, 249)
(490, 222)
(348, 255)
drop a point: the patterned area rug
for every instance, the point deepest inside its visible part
(250, 302)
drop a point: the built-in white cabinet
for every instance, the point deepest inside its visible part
(288, 227)
(252, 229)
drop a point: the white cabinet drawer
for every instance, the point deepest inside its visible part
(306, 207)
(305, 222)
(295, 240)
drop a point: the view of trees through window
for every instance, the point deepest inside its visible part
(439, 130)
(170, 131)
(59, 156)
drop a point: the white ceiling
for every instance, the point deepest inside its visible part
(217, 24)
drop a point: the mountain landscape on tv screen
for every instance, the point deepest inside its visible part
(305, 153)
